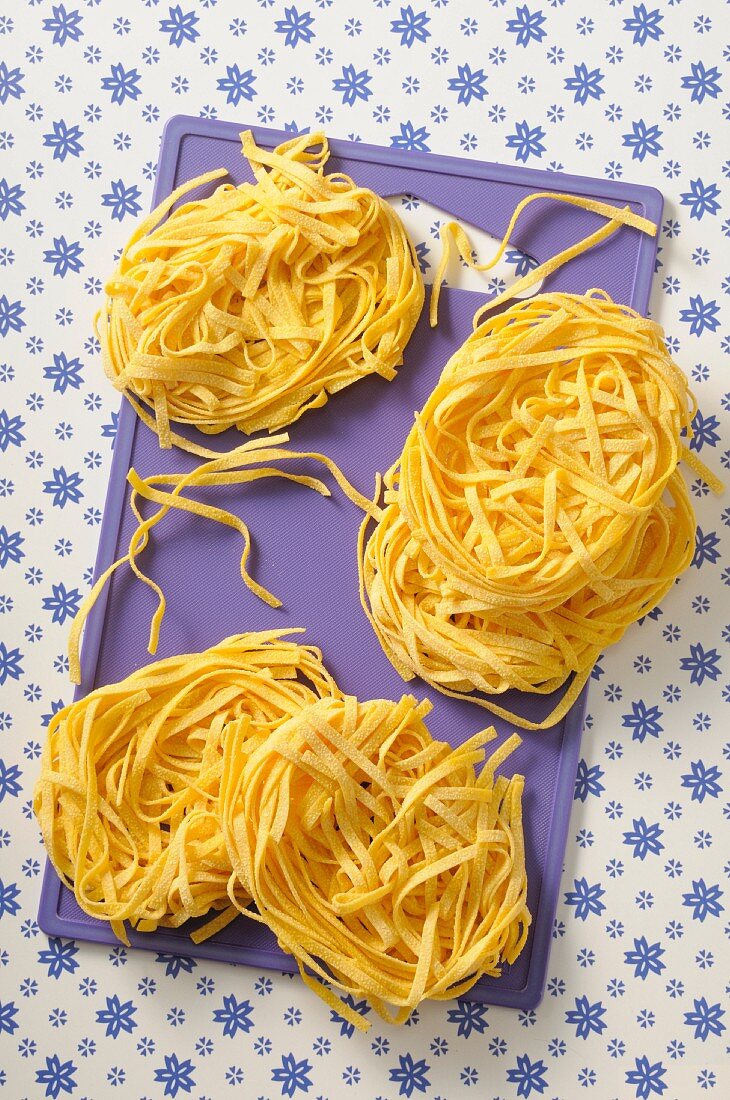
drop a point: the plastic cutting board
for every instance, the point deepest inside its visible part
(304, 545)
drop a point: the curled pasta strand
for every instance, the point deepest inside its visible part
(616, 216)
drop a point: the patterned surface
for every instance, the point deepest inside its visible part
(634, 1005)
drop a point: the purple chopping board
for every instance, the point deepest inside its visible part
(304, 545)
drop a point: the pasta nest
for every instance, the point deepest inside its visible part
(248, 307)
(536, 510)
(375, 854)
(127, 798)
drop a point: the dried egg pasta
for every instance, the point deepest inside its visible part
(127, 798)
(376, 855)
(249, 307)
(536, 510)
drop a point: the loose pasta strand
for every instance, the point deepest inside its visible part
(453, 231)
(166, 491)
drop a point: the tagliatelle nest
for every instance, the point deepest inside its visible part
(536, 510)
(251, 306)
(375, 854)
(127, 798)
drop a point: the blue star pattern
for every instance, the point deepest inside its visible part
(636, 1002)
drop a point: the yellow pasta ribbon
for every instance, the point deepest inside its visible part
(127, 798)
(453, 231)
(536, 510)
(249, 307)
(376, 855)
(166, 490)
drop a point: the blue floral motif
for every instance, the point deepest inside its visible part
(9, 894)
(704, 431)
(10, 199)
(122, 200)
(237, 85)
(59, 957)
(706, 1019)
(702, 781)
(64, 140)
(521, 262)
(10, 546)
(648, 1078)
(703, 900)
(585, 899)
(410, 1076)
(644, 838)
(529, 1076)
(9, 780)
(234, 1015)
(643, 720)
(64, 373)
(292, 1075)
(11, 83)
(180, 26)
(701, 198)
(643, 140)
(644, 25)
(469, 85)
(412, 26)
(57, 1076)
(706, 548)
(117, 1017)
(65, 26)
(11, 434)
(176, 1076)
(468, 1016)
(63, 487)
(527, 26)
(295, 26)
(62, 604)
(411, 138)
(700, 664)
(700, 315)
(109, 431)
(586, 1017)
(588, 781)
(585, 84)
(701, 82)
(353, 85)
(175, 964)
(646, 958)
(8, 1012)
(122, 83)
(10, 315)
(65, 256)
(11, 663)
(526, 141)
